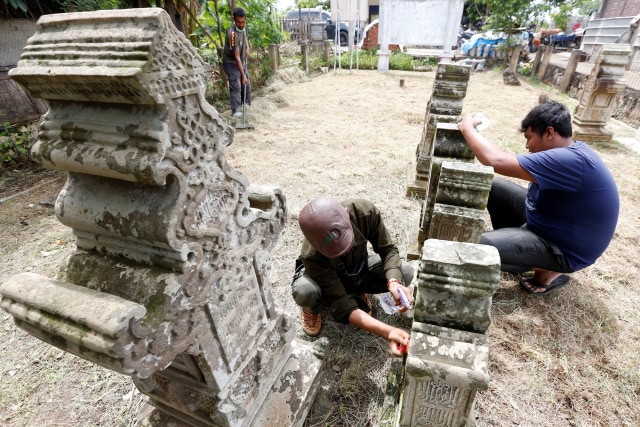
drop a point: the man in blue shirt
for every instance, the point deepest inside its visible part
(566, 218)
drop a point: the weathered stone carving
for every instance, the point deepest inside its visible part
(448, 356)
(598, 100)
(447, 362)
(450, 148)
(170, 279)
(445, 106)
(456, 223)
(456, 286)
(461, 197)
(441, 141)
(443, 375)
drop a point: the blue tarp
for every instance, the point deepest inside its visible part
(478, 41)
(562, 38)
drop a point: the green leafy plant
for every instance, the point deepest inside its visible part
(368, 60)
(525, 69)
(14, 144)
(89, 5)
(215, 18)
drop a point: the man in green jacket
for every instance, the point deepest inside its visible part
(335, 268)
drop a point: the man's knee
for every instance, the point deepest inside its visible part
(504, 238)
(306, 293)
(485, 239)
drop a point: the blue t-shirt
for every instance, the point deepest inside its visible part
(575, 202)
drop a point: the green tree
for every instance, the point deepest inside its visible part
(89, 5)
(262, 26)
(562, 10)
(325, 4)
(580, 7)
(506, 14)
(503, 14)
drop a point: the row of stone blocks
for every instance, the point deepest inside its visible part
(447, 363)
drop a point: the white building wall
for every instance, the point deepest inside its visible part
(430, 23)
(350, 10)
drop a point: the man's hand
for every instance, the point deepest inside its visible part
(398, 342)
(397, 338)
(469, 122)
(490, 154)
(395, 288)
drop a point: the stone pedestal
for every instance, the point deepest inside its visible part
(444, 371)
(456, 285)
(464, 184)
(431, 196)
(170, 280)
(449, 146)
(598, 100)
(461, 197)
(383, 60)
(448, 356)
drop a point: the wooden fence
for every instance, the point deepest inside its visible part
(313, 32)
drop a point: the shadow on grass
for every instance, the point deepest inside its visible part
(571, 321)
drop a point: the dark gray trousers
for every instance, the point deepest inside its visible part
(237, 95)
(307, 293)
(520, 249)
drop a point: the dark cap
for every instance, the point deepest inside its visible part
(326, 225)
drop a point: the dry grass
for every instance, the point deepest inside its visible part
(570, 359)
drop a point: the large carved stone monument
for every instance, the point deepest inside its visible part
(170, 280)
(598, 100)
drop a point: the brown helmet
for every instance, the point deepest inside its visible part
(326, 225)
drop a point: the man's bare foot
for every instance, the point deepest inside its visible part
(545, 276)
(544, 282)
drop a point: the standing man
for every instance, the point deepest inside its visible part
(565, 219)
(234, 61)
(335, 268)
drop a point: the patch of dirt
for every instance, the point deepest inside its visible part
(16, 180)
(564, 360)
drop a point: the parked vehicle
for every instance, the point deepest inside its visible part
(315, 15)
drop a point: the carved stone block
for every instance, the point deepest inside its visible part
(170, 279)
(464, 184)
(449, 142)
(444, 370)
(444, 106)
(456, 223)
(456, 283)
(598, 101)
